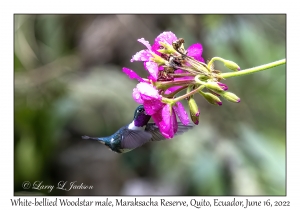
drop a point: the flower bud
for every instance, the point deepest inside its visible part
(194, 111)
(211, 98)
(216, 86)
(231, 65)
(223, 86)
(231, 97)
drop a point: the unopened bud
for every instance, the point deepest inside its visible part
(231, 97)
(194, 111)
(231, 65)
(211, 98)
(216, 87)
(223, 86)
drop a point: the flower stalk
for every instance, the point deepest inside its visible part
(254, 69)
(185, 96)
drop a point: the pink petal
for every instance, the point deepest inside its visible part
(137, 96)
(145, 42)
(148, 95)
(152, 106)
(132, 75)
(157, 117)
(175, 124)
(165, 119)
(195, 51)
(180, 71)
(152, 68)
(168, 125)
(181, 113)
(143, 55)
(168, 37)
(172, 89)
(149, 90)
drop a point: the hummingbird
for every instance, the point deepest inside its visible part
(135, 134)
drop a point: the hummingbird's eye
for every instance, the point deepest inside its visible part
(140, 109)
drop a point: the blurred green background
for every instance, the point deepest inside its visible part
(68, 82)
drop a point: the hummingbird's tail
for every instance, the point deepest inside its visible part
(88, 137)
(101, 140)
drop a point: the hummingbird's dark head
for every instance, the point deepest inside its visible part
(140, 117)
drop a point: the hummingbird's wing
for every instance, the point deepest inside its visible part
(135, 138)
(156, 134)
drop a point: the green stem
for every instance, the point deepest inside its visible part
(253, 70)
(197, 79)
(188, 94)
(213, 60)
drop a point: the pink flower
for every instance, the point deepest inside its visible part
(163, 115)
(166, 120)
(132, 75)
(145, 55)
(195, 51)
(148, 95)
(181, 113)
(167, 37)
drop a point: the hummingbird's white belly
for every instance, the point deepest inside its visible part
(131, 126)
